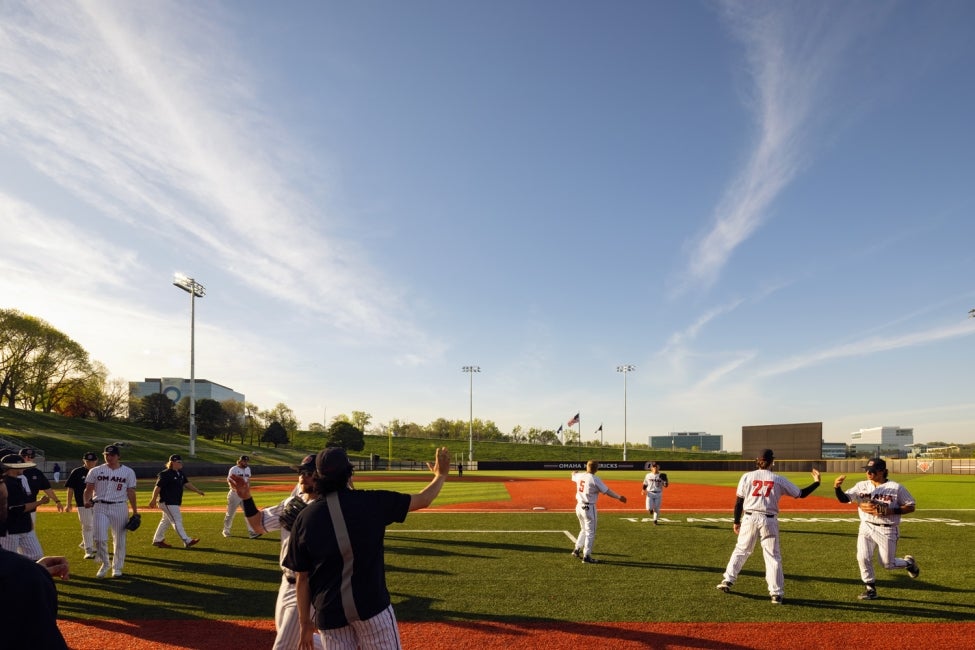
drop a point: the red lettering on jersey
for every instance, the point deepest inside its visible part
(762, 488)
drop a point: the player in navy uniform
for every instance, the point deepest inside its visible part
(168, 494)
(336, 552)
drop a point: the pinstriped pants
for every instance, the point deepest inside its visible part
(24, 543)
(377, 633)
(286, 620)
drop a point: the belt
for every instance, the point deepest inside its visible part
(110, 503)
(290, 579)
(760, 513)
(585, 506)
(874, 523)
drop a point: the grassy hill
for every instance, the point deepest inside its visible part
(68, 438)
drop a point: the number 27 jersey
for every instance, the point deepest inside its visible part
(761, 489)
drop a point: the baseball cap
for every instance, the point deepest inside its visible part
(175, 457)
(27, 451)
(112, 449)
(876, 464)
(307, 464)
(89, 455)
(333, 464)
(14, 461)
(247, 458)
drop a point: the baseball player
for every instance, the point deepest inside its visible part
(75, 487)
(653, 488)
(34, 483)
(107, 489)
(588, 488)
(168, 492)
(19, 526)
(281, 517)
(241, 470)
(759, 492)
(881, 503)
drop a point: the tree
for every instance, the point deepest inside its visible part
(210, 418)
(275, 434)
(345, 435)
(283, 415)
(157, 412)
(360, 420)
(233, 420)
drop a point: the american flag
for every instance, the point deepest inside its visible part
(574, 420)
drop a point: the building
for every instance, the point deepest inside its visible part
(793, 441)
(834, 450)
(882, 441)
(176, 388)
(687, 441)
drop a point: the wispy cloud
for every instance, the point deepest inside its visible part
(791, 50)
(868, 346)
(148, 113)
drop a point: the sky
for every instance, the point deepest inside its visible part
(765, 208)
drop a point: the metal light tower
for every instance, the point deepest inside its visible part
(196, 290)
(625, 369)
(471, 370)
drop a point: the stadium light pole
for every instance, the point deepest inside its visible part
(196, 290)
(625, 369)
(470, 451)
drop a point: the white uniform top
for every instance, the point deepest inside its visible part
(111, 485)
(653, 482)
(589, 487)
(893, 494)
(762, 488)
(237, 470)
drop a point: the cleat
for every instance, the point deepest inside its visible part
(577, 553)
(102, 572)
(89, 556)
(161, 544)
(116, 574)
(656, 523)
(192, 542)
(254, 535)
(226, 533)
(913, 569)
(869, 594)
(725, 586)
(590, 560)
(776, 600)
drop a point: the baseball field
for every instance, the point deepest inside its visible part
(489, 567)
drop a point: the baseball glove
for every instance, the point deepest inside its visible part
(134, 522)
(663, 477)
(291, 510)
(881, 508)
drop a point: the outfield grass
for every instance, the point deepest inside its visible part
(517, 567)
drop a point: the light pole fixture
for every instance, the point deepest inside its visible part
(470, 451)
(625, 369)
(196, 290)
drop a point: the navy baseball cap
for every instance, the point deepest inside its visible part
(247, 458)
(307, 464)
(333, 464)
(175, 457)
(875, 465)
(112, 449)
(89, 455)
(27, 451)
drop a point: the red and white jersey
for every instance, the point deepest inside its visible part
(111, 485)
(762, 488)
(890, 492)
(653, 482)
(589, 487)
(237, 470)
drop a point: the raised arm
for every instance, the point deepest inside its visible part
(440, 468)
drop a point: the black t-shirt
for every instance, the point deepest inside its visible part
(36, 480)
(76, 482)
(18, 521)
(314, 547)
(29, 601)
(171, 482)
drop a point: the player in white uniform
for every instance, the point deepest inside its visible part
(242, 470)
(107, 489)
(281, 517)
(881, 503)
(75, 494)
(758, 493)
(653, 488)
(588, 488)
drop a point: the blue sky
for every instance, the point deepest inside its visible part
(764, 207)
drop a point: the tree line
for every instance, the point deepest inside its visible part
(43, 369)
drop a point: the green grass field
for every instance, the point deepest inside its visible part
(517, 567)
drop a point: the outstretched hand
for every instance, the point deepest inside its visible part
(57, 566)
(815, 474)
(441, 464)
(839, 481)
(240, 486)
